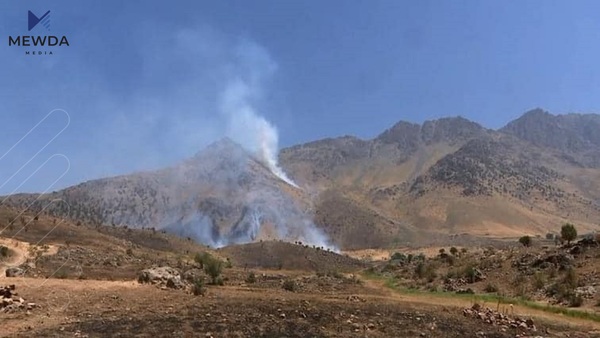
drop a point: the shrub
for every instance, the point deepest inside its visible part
(335, 274)
(427, 271)
(129, 252)
(398, 256)
(575, 301)
(213, 267)
(289, 285)
(539, 281)
(490, 288)
(3, 251)
(198, 288)
(449, 259)
(251, 279)
(568, 232)
(570, 278)
(470, 273)
(463, 250)
(453, 251)
(525, 241)
(61, 274)
(202, 258)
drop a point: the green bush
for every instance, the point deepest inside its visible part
(570, 279)
(575, 301)
(213, 267)
(198, 288)
(490, 288)
(525, 241)
(251, 279)
(289, 285)
(568, 232)
(202, 258)
(426, 271)
(398, 256)
(3, 251)
(470, 273)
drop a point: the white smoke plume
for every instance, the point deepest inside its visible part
(245, 125)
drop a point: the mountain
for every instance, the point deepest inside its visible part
(222, 195)
(423, 183)
(576, 136)
(440, 182)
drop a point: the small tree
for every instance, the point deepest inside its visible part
(202, 258)
(453, 251)
(213, 268)
(526, 241)
(568, 232)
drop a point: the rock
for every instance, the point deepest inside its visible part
(587, 292)
(14, 272)
(163, 276)
(576, 250)
(191, 275)
(282, 316)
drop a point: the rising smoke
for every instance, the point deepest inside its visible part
(263, 204)
(245, 125)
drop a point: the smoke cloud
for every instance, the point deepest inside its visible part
(266, 209)
(245, 125)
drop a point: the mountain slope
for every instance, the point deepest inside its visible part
(412, 184)
(452, 176)
(576, 136)
(222, 195)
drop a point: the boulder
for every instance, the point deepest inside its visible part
(14, 272)
(192, 274)
(587, 292)
(162, 276)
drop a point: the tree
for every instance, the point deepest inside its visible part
(453, 251)
(568, 232)
(525, 240)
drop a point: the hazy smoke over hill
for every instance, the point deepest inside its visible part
(262, 201)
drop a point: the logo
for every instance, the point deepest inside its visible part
(38, 44)
(33, 20)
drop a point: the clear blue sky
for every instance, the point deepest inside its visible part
(141, 80)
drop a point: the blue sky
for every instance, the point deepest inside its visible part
(143, 81)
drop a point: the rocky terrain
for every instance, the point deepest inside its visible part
(83, 280)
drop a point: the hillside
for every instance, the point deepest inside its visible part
(452, 176)
(222, 195)
(411, 185)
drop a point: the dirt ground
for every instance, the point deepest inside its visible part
(331, 297)
(88, 308)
